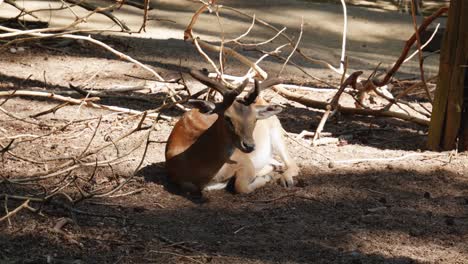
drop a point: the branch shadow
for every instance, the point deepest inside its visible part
(332, 217)
(360, 52)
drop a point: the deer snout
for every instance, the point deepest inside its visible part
(247, 147)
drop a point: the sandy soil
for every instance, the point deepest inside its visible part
(386, 209)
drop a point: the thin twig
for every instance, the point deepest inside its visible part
(25, 204)
(418, 42)
(295, 47)
(404, 157)
(191, 258)
(88, 102)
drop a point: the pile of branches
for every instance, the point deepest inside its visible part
(67, 188)
(69, 179)
(359, 87)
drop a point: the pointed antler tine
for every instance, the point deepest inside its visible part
(253, 93)
(203, 78)
(250, 97)
(231, 95)
(242, 86)
(228, 95)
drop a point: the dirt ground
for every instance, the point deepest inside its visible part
(399, 204)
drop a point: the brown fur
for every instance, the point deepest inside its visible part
(202, 149)
(210, 148)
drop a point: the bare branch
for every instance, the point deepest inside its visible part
(295, 47)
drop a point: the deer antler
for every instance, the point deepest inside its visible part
(250, 97)
(201, 77)
(228, 95)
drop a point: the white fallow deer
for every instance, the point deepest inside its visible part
(207, 148)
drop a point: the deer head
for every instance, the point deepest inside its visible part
(239, 115)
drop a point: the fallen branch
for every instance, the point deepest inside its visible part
(404, 157)
(348, 110)
(106, 12)
(119, 54)
(333, 106)
(24, 205)
(86, 102)
(23, 10)
(191, 257)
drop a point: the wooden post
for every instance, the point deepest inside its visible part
(448, 110)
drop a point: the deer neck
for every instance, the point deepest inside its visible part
(220, 142)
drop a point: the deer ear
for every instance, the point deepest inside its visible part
(265, 111)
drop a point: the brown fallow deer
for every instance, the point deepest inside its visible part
(207, 148)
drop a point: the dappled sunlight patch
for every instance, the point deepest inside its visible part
(395, 244)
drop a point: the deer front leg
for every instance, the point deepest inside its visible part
(279, 146)
(241, 167)
(247, 182)
(246, 178)
(273, 165)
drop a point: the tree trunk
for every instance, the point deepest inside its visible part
(449, 115)
(464, 131)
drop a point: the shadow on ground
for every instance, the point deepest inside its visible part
(333, 217)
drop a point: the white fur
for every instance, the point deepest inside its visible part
(215, 186)
(262, 154)
(268, 136)
(269, 140)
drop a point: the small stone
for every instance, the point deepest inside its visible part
(427, 195)
(13, 50)
(331, 165)
(383, 200)
(21, 49)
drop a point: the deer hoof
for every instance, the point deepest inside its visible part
(287, 179)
